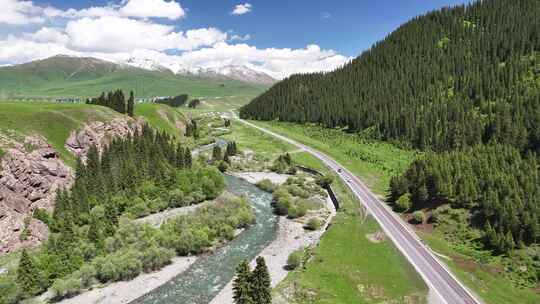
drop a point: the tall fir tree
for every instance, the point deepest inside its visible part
(242, 291)
(260, 283)
(131, 104)
(28, 276)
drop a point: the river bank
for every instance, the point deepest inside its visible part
(291, 236)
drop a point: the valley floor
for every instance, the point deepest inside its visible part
(375, 163)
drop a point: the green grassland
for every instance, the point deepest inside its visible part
(346, 267)
(375, 163)
(219, 104)
(252, 139)
(486, 280)
(55, 121)
(62, 77)
(162, 117)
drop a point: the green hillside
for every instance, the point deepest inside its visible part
(55, 121)
(63, 76)
(462, 84)
(451, 78)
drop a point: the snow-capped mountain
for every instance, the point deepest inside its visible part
(236, 72)
(145, 63)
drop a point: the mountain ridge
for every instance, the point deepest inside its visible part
(64, 75)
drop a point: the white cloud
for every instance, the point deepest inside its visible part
(240, 38)
(241, 9)
(47, 34)
(278, 63)
(153, 8)
(119, 31)
(17, 12)
(128, 8)
(116, 34)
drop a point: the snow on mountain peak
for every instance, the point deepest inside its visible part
(236, 72)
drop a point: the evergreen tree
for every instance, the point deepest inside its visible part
(216, 153)
(187, 158)
(27, 276)
(131, 104)
(260, 282)
(242, 290)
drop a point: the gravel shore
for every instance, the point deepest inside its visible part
(291, 236)
(127, 291)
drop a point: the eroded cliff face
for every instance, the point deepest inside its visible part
(30, 174)
(100, 134)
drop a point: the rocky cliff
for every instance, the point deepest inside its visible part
(31, 172)
(100, 134)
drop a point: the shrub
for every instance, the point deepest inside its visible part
(296, 211)
(295, 190)
(139, 208)
(155, 257)
(176, 198)
(223, 166)
(313, 224)
(404, 202)
(266, 185)
(419, 216)
(324, 180)
(42, 215)
(295, 259)
(67, 287)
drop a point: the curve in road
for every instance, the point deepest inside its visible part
(435, 273)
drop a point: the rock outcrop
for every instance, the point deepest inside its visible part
(100, 134)
(30, 174)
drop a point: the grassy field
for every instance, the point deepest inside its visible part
(346, 267)
(63, 77)
(375, 163)
(162, 117)
(53, 121)
(249, 138)
(485, 280)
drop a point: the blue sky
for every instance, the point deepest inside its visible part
(347, 26)
(319, 34)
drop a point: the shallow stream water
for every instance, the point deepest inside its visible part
(209, 274)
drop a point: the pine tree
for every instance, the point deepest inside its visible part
(216, 153)
(27, 276)
(242, 291)
(260, 282)
(187, 158)
(131, 104)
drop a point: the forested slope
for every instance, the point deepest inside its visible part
(462, 84)
(454, 77)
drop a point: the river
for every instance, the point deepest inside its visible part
(209, 274)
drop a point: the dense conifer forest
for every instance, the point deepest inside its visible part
(92, 237)
(115, 100)
(176, 101)
(452, 78)
(462, 84)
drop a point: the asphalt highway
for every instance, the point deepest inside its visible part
(439, 278)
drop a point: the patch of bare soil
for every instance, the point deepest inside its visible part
(376, 237)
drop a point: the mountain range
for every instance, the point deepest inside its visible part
(63, 75)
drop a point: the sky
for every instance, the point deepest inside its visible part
(278, 37)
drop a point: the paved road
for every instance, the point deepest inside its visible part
(434, 273)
